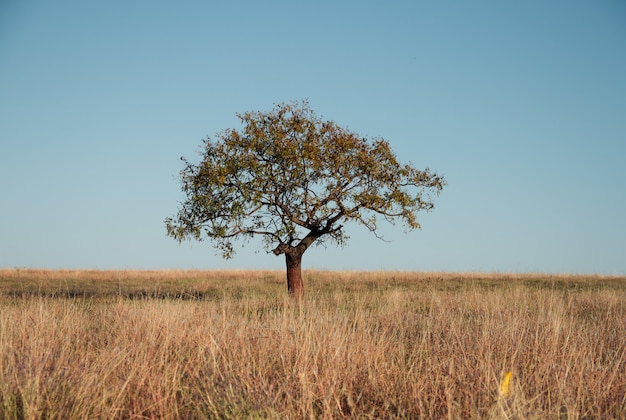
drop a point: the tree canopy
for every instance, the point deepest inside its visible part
(294, 179)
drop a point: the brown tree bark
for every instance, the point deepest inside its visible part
(293, 258)
(294, 274)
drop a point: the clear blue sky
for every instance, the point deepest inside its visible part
(521, 105)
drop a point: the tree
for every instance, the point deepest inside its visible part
(293, 179)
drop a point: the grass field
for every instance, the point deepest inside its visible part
(230, 344)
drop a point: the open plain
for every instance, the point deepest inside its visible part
(232, 344)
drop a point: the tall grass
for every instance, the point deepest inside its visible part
(362, 345)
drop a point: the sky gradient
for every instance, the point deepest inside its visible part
(520, 105)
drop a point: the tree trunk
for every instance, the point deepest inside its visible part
(294, 274)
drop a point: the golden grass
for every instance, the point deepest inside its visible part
(198, 344)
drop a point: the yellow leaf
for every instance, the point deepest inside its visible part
(504, 385)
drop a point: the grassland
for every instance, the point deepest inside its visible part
(198, 344)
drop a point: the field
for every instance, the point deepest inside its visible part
(211, 344)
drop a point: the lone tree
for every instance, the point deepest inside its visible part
(292, 179)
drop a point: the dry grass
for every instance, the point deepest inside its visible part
(78, 344)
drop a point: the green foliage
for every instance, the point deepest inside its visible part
(293, 178)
